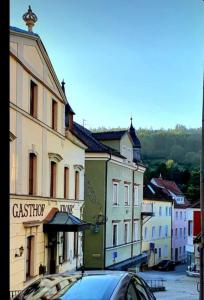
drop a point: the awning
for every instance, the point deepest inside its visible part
(64, 222)
(197, 239)
(131, 262)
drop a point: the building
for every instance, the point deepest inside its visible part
(113, 198)
(193, 236)
(156, 230)
(179, 219)
(46, 166)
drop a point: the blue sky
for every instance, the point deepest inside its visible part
(125, 57)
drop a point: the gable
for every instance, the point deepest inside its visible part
(33, 56)
(126, 148)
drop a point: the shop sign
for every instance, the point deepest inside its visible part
(28, 210)
(66, 208)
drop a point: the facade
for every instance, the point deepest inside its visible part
(46, 167)
(179, 218)
(192, 248)
(113, 199)
(156, 230)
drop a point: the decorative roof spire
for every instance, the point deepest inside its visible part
(63, 84)
(30, 18)
(131, 122)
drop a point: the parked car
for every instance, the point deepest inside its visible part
(90, 285)
(165, 265)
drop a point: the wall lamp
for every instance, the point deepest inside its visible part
(21, 249)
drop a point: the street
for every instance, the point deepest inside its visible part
(178, 285)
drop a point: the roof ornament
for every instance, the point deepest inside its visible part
(63, 84)
(30, 18)
(131, 122)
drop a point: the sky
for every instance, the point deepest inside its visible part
(123, 58)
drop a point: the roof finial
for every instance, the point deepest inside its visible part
(131, 122)
(63, 84)
(30, 18)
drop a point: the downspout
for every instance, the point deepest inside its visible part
(105, 209)
(133, 207)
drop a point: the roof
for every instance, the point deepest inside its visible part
(64, 221)
(153, 192)
(168, 185)
(23, 31)
(135, 140)
(93, 144)
(196, 204)
(109, 135)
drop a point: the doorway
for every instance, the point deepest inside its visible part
(52, 242)
(176, 254)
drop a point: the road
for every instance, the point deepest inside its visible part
(178, 285)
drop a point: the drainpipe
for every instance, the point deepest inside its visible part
(105, 208)
(133, 207)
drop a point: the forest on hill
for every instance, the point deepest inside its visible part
(172, 153)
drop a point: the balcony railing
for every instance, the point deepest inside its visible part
(147, 209)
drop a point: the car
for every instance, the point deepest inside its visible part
(165, 265)
(88, 285)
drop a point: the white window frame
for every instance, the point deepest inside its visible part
(153, 232)
(127, 237)
(113, 200)
(128, 194)
(160, 211)
(146, 233)
(136, 195)
(136, 233)
(115, 225)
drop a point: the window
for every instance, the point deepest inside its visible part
(32, 173)
(176, 232)
(190, 228)
(169, 211)
(145, 233)
(176, 215)
(166, 230)
(180, 232)
(54, 115)
(160, 211)
(75, 244)
(77, 185)
(126, 192)
(179, 250)
(160, 231)
(53, 179)
(115, 193)
(66, 183)
(184, 232)
(184, 249)
(136, 231)
(184, 215)
(33, 99)
(153, 232)
(159, 252)
(180, 215)
(115, 234)
(136, 195)
(165, 250)
(166, 211)
(126, 225)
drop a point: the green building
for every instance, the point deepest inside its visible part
(113, 199)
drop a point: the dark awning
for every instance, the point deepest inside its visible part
(64, 222)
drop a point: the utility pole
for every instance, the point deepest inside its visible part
(202, 205)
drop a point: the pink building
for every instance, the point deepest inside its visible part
(179, 217)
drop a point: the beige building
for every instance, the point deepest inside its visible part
(156, 230)
(46, 167)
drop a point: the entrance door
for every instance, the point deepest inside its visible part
(52, 240)
(29, 257)
(176, 254)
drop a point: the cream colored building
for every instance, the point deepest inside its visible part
(46, 167)
(156, 231)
